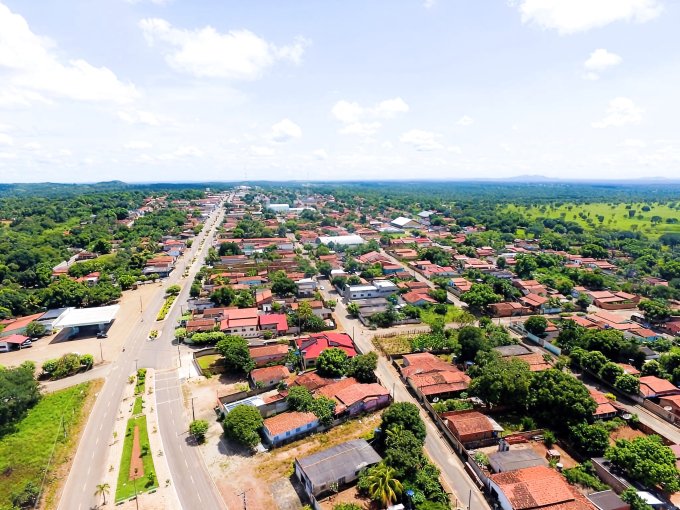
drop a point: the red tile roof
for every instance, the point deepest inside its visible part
(281, 423)
(278, 372)
(280, 319)
(538, 487)
(313, 345)
(467, 423)
(14, 339)
(651, 385)
(269, 350)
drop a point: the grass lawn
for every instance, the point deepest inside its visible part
(25, 452)
(615, 217)
(126, 488)
(428, 316)
(138, 407)
(165, 308)
(213, 363)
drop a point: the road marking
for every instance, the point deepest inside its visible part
(97, 441)
(187, 465)
(167, 401)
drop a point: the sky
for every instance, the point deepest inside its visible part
(194, 90)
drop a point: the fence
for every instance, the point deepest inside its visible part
(661, 412)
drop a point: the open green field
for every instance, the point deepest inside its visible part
(25, 452)
(453, 313)
(126, 488)
(615, 217)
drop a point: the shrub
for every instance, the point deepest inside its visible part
(198, 428)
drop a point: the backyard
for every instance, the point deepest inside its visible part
(55, 422)
(211, 364)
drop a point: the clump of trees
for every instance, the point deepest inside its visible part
(18, 392)
(242, 425)
(66, 365)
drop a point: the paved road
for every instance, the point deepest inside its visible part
(91, 457)
(436, 446)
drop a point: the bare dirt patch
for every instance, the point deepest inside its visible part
(347, 496)
(136, 464)
(625, 433)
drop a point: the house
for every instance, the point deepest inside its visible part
(605, 410)
(241, 321)
(8, 343)
(334, 467)
(379, 288)
(353, 398)
(536, 487)
(472, 428)
(671, 403)
(417, 298)
(312, 346)
(652, 386)
(267, 354)
(201, 325)
(432, 376)
(267, 377)
(306, 287)
(263, 297)
(404, 223)
(288, 426)
(607, 500)
(536, 303)
(18, 326)
(274, 322)
(460, 286)
(614, 300)
(512, 460)
(90, 279)
(527, 287)
(508, 309)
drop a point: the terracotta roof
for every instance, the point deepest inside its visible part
(440, 382)
(241, 313)
(269, 373)
(651, 385)
(537, 487)
(311, 381)
(469, 423)
(279, 319)
(358, 392)
(313, 345)
(269, 350)
(14, 339)
(281, 423)
(535, 361)
(21, 322)
(416, 296)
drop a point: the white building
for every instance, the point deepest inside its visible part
(278, 208)
(350, 240)
(403, 222)
(379, 288)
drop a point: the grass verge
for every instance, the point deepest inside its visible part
(165, 308)
(138, 407)
(125, 488)
(25, 452)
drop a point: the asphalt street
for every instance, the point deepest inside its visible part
(192, 483)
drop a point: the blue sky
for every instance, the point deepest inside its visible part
(148, 90)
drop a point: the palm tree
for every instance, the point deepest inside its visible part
(382, 486)
(102, 490)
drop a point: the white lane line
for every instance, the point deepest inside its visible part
(186, 464)
(168, 401)
(97, 441)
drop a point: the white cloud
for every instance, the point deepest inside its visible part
(347, 112)
(131, 116)
(285, 131)
(571, 16)
(137, 145)
(620, 112)
(205, 52)
(5, 139)
(598, 61)
(35, 70)
(634, 143)
(428, 4)
(422, 140)
(32, 146)
(465, 120)
(361, 128)
(601, 59)
(320, 154)
(360, 120)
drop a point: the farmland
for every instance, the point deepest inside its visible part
(658, 220)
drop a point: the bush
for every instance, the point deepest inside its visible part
(87, 360)
(173, 290)
(581, 475)
(242, 425)
(198, 428)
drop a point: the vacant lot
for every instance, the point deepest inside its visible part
(54, 423)
(211, 364)
(615, 217)
(400, 344)
(453, 314)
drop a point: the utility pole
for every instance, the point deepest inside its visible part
(134, 483)
(243, 495)
(141, 309)
(193, 411)
(179, 356)
(101, 352)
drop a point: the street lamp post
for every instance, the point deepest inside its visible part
(134, 484)
(101, 352)
(193, 411)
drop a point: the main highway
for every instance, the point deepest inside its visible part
(193, 485)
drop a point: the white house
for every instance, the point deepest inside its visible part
(349, 240)
(403, 222)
